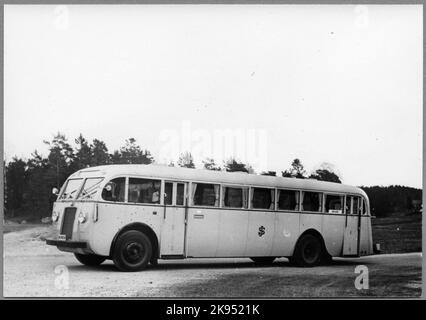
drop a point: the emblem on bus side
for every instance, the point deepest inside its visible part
(261, 231)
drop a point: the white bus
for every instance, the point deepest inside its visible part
(137, 214)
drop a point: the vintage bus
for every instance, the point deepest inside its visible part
(137, 214)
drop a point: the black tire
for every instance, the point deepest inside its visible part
(132, 251)
(308, 251)
(154, 262)
(326, 259)
(89, 259)
(263, 260)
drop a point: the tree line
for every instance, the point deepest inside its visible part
(28, 183)
(388, 200)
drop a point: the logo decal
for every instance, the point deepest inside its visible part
(261, 231)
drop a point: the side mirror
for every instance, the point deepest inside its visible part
(55, 191)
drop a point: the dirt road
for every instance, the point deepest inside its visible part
(32, 269)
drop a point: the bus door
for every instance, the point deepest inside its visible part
(173, 229)
(352, 227)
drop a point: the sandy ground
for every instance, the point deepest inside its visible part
(33, 269)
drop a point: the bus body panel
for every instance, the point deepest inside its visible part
(172, 231)
(350, 242)
(333, 229)
(232, 236)
(286, 233)
(80, 231)
(214, 232)
(113, 217)
(311, 221)
(202, 232)
(260, 233)
(84, 231)
(366, 243)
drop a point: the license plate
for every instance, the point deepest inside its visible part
(62, 237)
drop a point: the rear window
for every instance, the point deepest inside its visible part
(90, 188)
(71, 188)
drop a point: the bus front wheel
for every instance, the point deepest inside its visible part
(308, 251)
(263, 260)
(89, 259)
(132, 251)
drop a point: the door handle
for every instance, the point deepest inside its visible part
(198, 216)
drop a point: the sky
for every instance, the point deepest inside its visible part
(335, 84)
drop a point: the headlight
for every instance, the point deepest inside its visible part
(82, 217)
(55, 216)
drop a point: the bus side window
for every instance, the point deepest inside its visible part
(348, 205)
(288, 200)
(334, 203)
(144, 190)
(364, 207)
(205, 194)
(168, 193)
(311, 201)
(355, 205)
(263, 198)
(114, 190)
(180, 194)
(235, 197)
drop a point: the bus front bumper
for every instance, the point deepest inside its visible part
(66, 244)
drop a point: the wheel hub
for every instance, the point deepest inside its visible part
(310, 252)
(134, 252)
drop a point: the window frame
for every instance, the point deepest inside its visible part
(321, 193)
(235, 186)
(361, 199)
(175, 184)
(284, 210)
(126, 197)
(188, 197)
(274, 201)
(97, 193)
(364, 211)
(108, 180)
(350, 208)
(343, 213)
(65, 185)
(191, 198)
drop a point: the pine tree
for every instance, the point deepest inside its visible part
(186, 160)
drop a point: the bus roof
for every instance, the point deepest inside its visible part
(204, 175)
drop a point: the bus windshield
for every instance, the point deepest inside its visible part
(71, 188)
(90, 188)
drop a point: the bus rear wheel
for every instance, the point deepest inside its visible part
(263, 260)
(308, 251)
(89, 259)
(132, 251)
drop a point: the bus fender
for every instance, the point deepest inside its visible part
(142, 227)
(317, 234)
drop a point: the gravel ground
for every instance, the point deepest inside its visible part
(33, 269)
